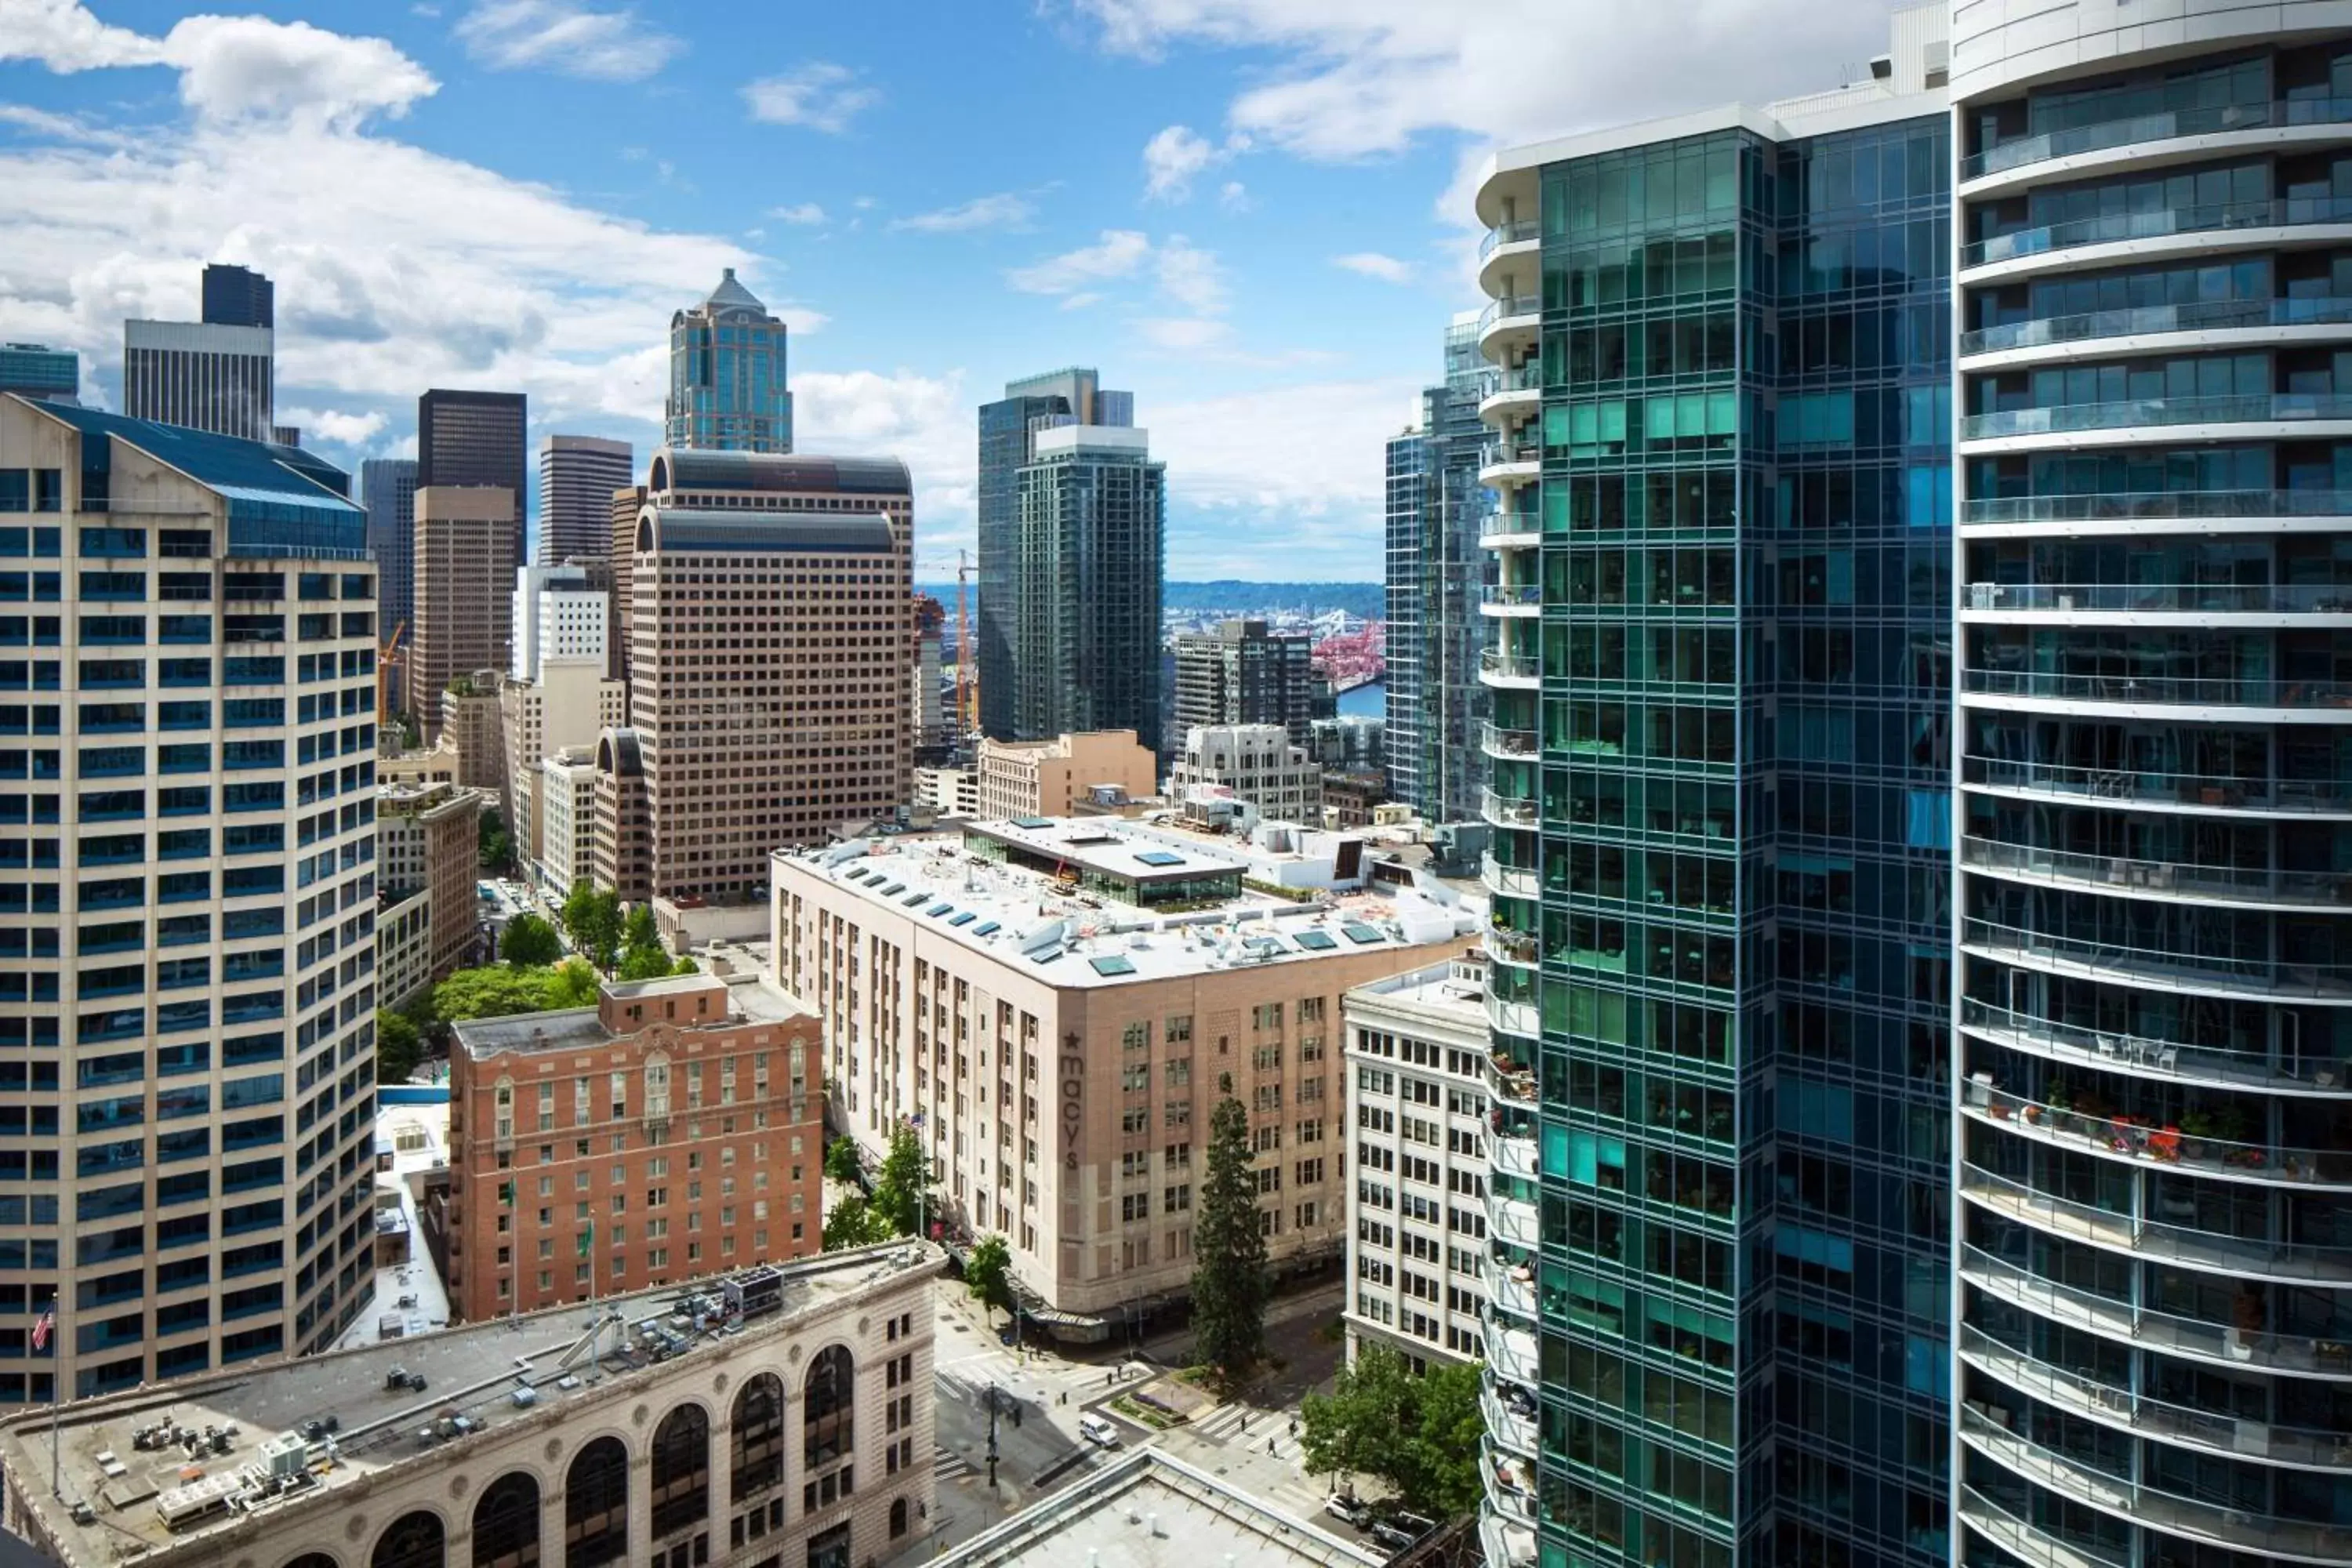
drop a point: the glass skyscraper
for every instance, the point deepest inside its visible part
(1720, 788)
(727, 382)
(2154, 1127)
(1436, 566)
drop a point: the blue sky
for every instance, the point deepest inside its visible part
(1253, 213)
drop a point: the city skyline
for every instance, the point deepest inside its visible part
(1244, 257)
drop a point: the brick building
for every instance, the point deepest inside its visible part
(428, 838)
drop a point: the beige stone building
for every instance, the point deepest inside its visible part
(428, 838)
(568, 704)
(1046, 778)
(678, 1430)
(465, 567)
(472, 726)
(567, 822)
(1063, 1004)
(1255, 766)
(404, 945)
(769, 626)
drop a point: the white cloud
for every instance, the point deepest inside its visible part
(1002, 210)
(820, 95)
(804, 213)
(1171, 159)
(1184, 334)
(334, 427)
(1190, 276)
(1372, 264)
(1119, 254)
(1080, 301)
(249, 68)
(63, 36)
(1232, 196)
(554, 35)
(924, 420)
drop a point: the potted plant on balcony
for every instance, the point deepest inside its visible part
(2061, 1094)
(2197, 1127)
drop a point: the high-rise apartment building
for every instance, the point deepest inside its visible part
(1720, 802)
(39, 371)
(1072, 523)
(201, 376)
(1437, 512)
(2154, 834)
(728, 391)
(577, 476)
(388, 491)
(239, 296)
(187, 900)
(771, 624)
(1241, 673)
(464, 575)
(474, 440)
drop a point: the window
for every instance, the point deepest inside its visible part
(681, 1470)
(758, 1437)
(414, 1541)
(597, 1505)
(506, 1523)
(657, 1087)
(826, 1399)
(1177, 1199)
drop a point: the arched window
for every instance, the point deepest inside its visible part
(827, 1398)
(506, 1523)
(759, 1459)
(412, 1541)
(597, 1505)
(897, 1517)
(681, 1470)
(314, 1560)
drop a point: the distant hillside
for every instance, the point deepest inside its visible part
(1365, 599)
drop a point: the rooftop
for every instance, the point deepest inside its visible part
(112, 1486)
(1016, 915)
(1454, 992)
(751, 999)
(1152, 1510)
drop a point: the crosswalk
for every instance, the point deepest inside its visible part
(1238, 1426)
(951, 1467)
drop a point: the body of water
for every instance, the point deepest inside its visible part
(1369, 701)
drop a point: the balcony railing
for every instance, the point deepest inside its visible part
(2078, 1478)
(2049, 1545)
(2107, 228)
(2165, 125)
(1513, 946)
(1510, 520)
(2142, 785)
(1512, 881)
(1510, 665)
(1511, 232)
(2252, 692)
(2117, 1052)
(2131, 1136)
(1506, 306)
(2166, 1331)
(2118, 506)
(1509, 810)
(1528, 377)
(1496, 741)
(2166, 598)
(1515, 1156)
(1507, 1080)
(2154, 320)
(2140, 413)
(1507, 1544)
(2251, 884)
(1509, 1293)
(1522, 596)
(1513, 1429)
(1510, 1484)
(2049, 950)
(2214, 1250)
(1512, 1352)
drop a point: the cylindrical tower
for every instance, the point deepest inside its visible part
(2153, 1153)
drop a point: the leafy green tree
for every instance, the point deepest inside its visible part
(854, 1222)
(494, 849)
(1229, 1278)
(686, 965)
(571, 983)
(988, 1271)
(398, 1047)
(529, 942)
(592, 919)
(495, 991)
(842, 1165)
(1420, 1434)
(902, 1188)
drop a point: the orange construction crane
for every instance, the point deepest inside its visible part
(388, 657)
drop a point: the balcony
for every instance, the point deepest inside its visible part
(1497, 741)
(2158, 412)
(1506, 1080)
(2116, 228)
(2112, 1405)
(1512, 396)
(2210, 1250)
(1511, 599)
(2136, 1138)
(1506, 1544)
(1511, 881)
(2260, 979)
(2139, 1503)
(2157, 506)
(2166, 125)
(1506, 467)
(1519, 231)
(1507, 811)
(2142, 1056)
(1513, 1219)
(2157, 320)
(1509, 326)
(1504, 945)
(2138, 786)
(1511, 1352)
(1513, 670)
(2195, 1338)
(2161, 598)
(1510, 1484)
(1512, 527)
(1511, 1414)
(2252, 885)
(1512, 1156)
(1513, 1290)
(2135, 690)
(2033, 1544)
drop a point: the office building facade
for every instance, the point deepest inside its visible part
(1437, 512)
(577, 476)
(1719, 794)
(239, 296)
(427, 841)
(1049, 778)
(187, 902)
(39, 371)
(771, 624)
(1243, 674)
(201, 376)
(388, 491)
(477, 439)
(2154, 831)
(1071, 525)
(1253, 765)
(728, 391)
(462, 575)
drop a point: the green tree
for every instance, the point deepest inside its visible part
(643, 957)
(988, 1271)
(571, 983)
(842, 1165)
(902, 1187)
(1420, 1434)
(398, 1047)
(592, 919)
(854, 1222)
(494, 849)
(495, 991)
(1229, 1278)
(686, 965)
(529, 942)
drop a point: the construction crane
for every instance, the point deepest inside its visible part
(388, 657)
(967, 691)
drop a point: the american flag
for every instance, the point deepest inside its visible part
(42, 1329)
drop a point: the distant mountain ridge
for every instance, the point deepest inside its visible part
(1365, 599)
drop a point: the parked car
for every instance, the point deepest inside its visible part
(1346, 1508)
(1095, 1429)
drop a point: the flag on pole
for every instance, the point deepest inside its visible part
(45, 1327)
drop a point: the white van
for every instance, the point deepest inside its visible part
(1097, 1431)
